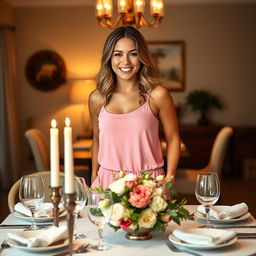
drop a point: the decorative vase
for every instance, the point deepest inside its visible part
(138, 234)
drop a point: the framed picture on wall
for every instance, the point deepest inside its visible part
(169, 60)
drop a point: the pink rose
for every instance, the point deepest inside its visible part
(166, 217)
(140, 197)
(130, 184)
(124, 223)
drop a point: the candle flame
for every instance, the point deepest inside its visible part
(67, 121)
(54, 123)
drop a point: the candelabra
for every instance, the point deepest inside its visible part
(69, 203)
(55, 198)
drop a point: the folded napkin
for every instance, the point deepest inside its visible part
(45, 210)
(39, 238)
(230, 212)
(200, 239)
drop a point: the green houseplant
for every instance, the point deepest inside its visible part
(203, 101)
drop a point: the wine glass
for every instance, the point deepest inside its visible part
(99, 212)
(31, 194)
(207, 191)
(80, 200)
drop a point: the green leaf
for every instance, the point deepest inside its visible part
(96, 212)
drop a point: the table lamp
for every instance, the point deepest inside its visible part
(79, 94)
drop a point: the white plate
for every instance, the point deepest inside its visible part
(201, 231)
(55, 246)
(37, 219)
(200, 215)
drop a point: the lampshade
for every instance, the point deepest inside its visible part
(80, 90)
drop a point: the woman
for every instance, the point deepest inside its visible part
(125, 111)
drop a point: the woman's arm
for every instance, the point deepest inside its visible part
(167, 115)
(95, 102)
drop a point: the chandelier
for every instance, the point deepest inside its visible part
(130, 12)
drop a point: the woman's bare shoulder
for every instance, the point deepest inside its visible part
(95, 98)
(160, 93)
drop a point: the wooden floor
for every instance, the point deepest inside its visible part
(232, 192)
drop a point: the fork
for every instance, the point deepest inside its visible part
(175, 249)
(4, 245)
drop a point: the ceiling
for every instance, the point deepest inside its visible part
(91, 2)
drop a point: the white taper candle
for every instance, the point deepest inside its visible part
(68, 158)
(54, 155)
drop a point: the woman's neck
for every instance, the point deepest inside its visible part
(126, 86)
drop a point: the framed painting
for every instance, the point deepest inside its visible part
(169, 60)
(46, 70)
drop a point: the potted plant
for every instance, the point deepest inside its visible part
(203, 101)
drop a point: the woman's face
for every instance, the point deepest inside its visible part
(124, 61)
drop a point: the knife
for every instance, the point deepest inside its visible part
(2, 226)
(229, 226)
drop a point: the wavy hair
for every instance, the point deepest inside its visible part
(106, 78)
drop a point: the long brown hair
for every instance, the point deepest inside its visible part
(106, 78)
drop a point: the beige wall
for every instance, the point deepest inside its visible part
(220, 56)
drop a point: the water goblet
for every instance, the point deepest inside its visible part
(80, 200)
(207, 191)
(99, 212)
(31, 194)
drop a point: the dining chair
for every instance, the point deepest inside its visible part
(186, 178)
(41, 154)
(40, 149)
(14, 191)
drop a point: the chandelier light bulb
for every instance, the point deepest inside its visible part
(130, 12)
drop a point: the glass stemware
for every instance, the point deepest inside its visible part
(207, 191)
(99, 212)
(31, 194)
(80, 200)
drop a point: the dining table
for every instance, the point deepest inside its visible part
(156, 246)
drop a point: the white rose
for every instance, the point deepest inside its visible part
(157, 192)
(118, 186)
(118, 212)
(149, 183)
(159, 177)
(147, 218)
(158, 204)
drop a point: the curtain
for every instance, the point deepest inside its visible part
(10, 161)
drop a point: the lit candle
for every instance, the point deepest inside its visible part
(68, 158)
(54, 149)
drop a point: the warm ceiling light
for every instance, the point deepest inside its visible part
(130, 12)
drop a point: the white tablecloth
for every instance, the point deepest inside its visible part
(123, 247)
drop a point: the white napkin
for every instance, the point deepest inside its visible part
(232, 212)
(200, 239)
(39, 238)
(45, 210)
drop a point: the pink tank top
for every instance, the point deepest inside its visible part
(130, 141)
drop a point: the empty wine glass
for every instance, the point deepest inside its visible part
(31, 194)
(207, 191)
(80, 200)
(99, 212)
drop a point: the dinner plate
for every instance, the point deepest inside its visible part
(55, 246)
(200, 231)
(37, 219)
(200, 215)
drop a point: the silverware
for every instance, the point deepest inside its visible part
(175, 249)
(229, 226)
(4, 245)
(22, 226)
(246, 235)
(80, 249)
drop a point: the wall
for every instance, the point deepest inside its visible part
(220, 56)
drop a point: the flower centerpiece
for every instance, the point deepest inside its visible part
(142, 204)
